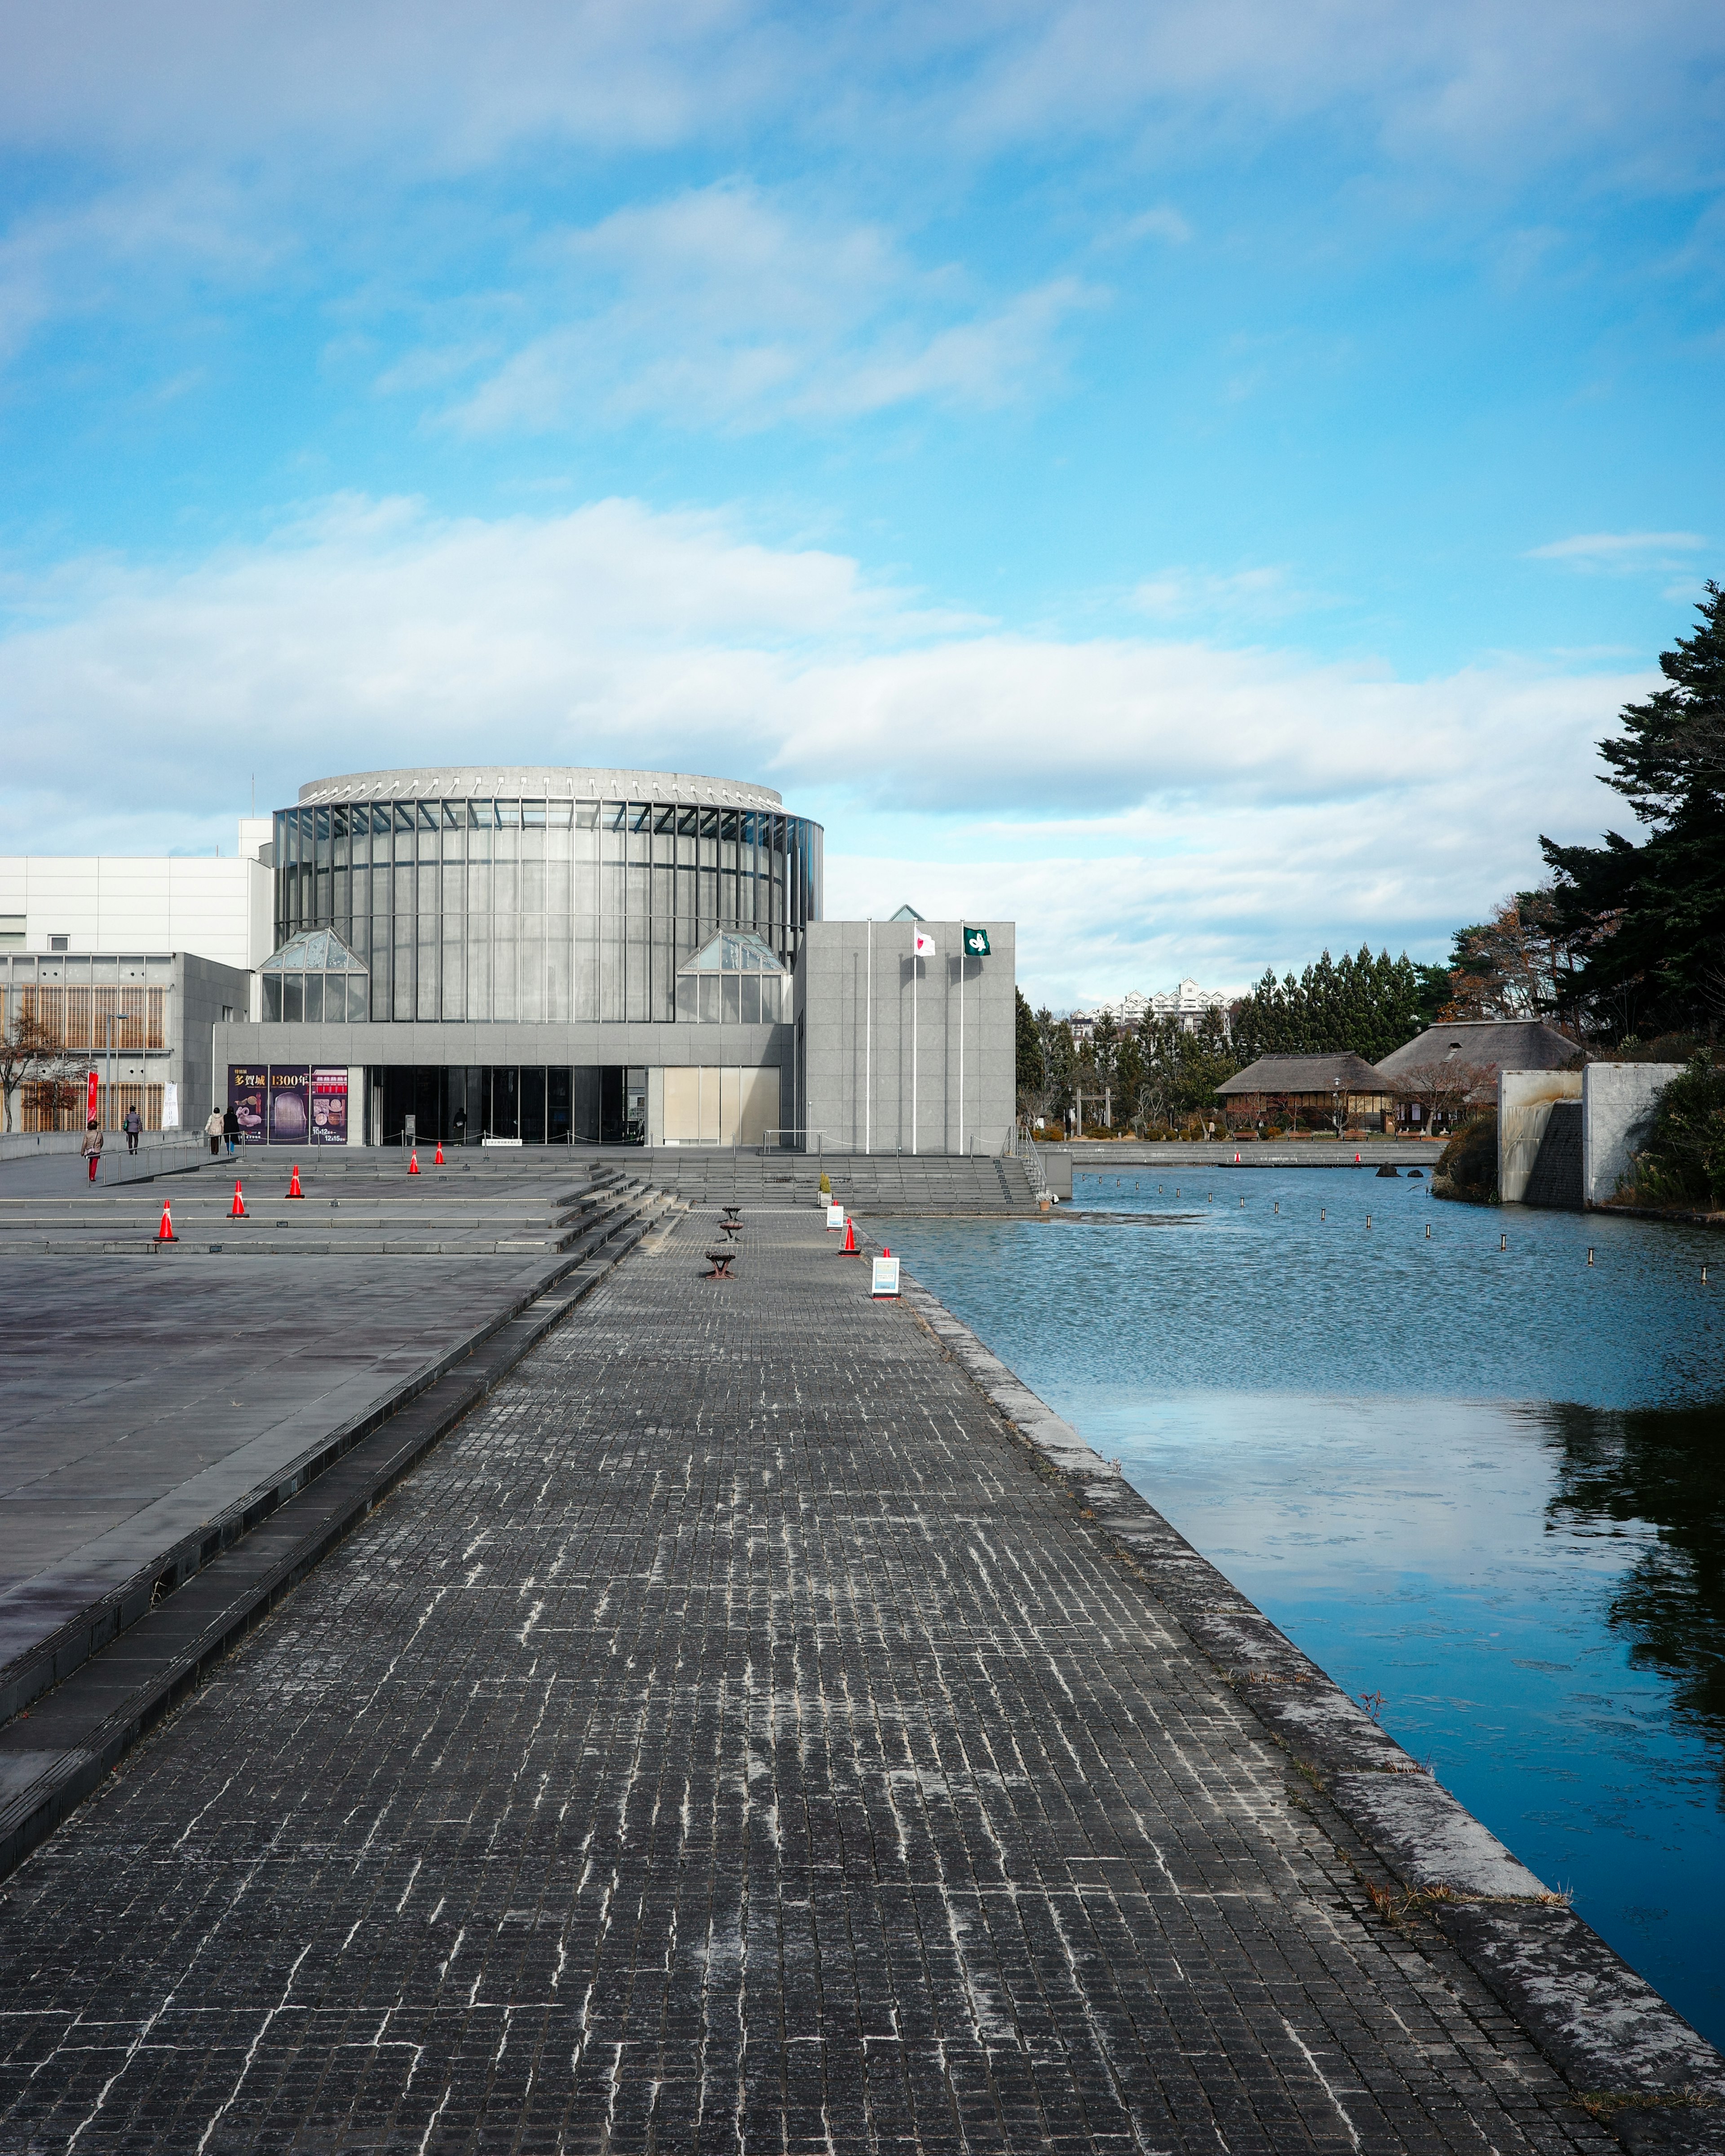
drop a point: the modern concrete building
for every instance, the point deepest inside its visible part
(128, 963)
(217, 907)
(899, 1052)
(540, 954)
(143, 1022)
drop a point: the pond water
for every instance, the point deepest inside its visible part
(1487, 1484)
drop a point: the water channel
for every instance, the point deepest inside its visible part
(1488, 1485)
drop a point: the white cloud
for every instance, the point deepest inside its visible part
(724, 304)
(1143, 806)
(1161, 223)
(1266, 594)
(1621, 550)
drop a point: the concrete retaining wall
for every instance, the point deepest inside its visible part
(1525, 1100)
(1618, 1102)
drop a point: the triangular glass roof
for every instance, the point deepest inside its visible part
(317, 951)
(907, 913)
(733, 950)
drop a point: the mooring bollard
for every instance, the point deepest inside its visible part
(1369, 1220)
(1428, 1237)
(1590, 1252)
(1323, 1214)
(1503, 1242)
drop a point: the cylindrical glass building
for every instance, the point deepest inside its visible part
(540, 894)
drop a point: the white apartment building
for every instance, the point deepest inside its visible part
(1187, 1003)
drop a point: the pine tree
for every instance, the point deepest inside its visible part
(1650, 919)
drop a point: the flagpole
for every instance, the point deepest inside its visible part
(962, 962)
(915, 964)
(869, 1046)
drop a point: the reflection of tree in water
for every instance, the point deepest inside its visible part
(1665, 1467)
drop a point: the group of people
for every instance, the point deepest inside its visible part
(223, 1124)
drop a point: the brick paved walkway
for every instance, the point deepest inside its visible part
(726, 1741)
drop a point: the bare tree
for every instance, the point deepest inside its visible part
(31, 1054)
(1445, 1083)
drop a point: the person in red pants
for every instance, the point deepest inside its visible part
(92, 1147)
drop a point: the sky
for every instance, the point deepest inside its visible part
(1196, 481)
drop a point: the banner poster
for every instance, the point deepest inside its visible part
(170, 1107)
(289, 1115)
(329, 1106)
(93, 1094)
(249, 1096)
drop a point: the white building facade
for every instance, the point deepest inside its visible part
(220, 908)
(1186, 1003)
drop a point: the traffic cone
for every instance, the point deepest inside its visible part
(414, 1162)
(237, 1210)
(438, 1160)
(165, 1232)
(293, 1188)
(847, 1248)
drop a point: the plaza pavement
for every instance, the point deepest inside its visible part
(734, 1737)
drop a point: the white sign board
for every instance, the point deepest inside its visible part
(515, 1143)
(170, 1107)
(885, 1280)
(835, 1216)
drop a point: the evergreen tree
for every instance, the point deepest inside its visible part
(1030, 1068)
(1359, 1003)
(1649, 919)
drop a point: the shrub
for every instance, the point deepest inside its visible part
(1683, 1162)
(1467, 1167)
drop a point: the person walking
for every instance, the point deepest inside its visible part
(131, 1122)
(230, 1128)
(92, 1147)
(212, 1131)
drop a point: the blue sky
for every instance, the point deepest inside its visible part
(1195, 480)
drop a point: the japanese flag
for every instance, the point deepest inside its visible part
(925, 944)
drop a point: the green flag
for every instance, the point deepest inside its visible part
(976, 943)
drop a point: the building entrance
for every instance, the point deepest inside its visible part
(539, 1104)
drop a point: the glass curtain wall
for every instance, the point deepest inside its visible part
(540, 910)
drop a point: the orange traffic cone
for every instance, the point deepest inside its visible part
(165, 1232)
(847, 1248)
(414, 1163)
(438, 1160)
(294, 1189)
(237, 1210)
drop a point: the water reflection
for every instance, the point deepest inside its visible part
(1662, 1469)
(1487, 1483)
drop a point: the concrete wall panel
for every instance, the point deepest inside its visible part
(904, 1055)
(1524, 1105)
(1617, 1103)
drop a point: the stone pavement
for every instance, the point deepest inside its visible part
(139, 1400)
(727, 1740)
